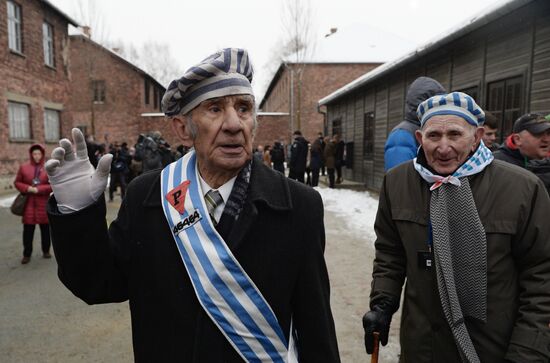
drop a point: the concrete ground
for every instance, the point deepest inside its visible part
(41, 321)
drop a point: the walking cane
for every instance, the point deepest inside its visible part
(374, 356)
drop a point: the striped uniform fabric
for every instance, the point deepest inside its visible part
(455, 103)
(225, 291)
(227, 72)
(213, 199)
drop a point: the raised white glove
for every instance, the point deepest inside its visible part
(74, 181)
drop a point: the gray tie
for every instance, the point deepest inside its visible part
(213, 199)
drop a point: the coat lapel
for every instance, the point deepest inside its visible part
(266, 187)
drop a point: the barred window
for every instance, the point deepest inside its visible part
(51, 125)
(47, 41)
(98, 88)
(19, 121)
(14, 26)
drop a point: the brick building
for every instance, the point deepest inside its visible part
(34, 80)
(290, 101)
(110, 96)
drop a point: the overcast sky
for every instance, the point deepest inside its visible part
(195, 29)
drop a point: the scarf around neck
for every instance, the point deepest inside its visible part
(460, 247)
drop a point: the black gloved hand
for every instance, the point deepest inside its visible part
(376, 321)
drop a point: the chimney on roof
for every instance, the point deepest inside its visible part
(332, 31)
(87, 31)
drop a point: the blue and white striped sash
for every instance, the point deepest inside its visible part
(223, 288)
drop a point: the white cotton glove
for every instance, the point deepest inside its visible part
(74, 181)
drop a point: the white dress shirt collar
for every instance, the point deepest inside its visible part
(225, 191)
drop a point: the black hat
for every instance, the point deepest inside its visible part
(532, 122)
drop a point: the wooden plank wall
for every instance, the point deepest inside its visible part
(516, 45)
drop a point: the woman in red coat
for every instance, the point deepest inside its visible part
(32, 180)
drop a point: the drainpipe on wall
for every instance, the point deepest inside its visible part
(325, 121)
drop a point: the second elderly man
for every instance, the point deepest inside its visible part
(470, 235)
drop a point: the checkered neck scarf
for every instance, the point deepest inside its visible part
(460, 248)
(236, 199)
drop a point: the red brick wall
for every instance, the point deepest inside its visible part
(118, 118)
(28, 78)
(271, 129)
(318, 81)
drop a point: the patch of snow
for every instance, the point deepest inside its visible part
(357, 208)
(7, 201)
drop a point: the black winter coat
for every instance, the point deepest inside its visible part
(279, 240)
(298, 155)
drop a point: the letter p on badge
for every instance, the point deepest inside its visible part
(176, 197)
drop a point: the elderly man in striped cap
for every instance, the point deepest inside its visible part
(471, 236)
(220, 257)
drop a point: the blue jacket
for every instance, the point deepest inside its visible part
(401, 143)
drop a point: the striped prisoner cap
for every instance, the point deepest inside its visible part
(227, 72)
(455, 103)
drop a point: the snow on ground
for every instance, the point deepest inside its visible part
(5, 202)
(357, 208)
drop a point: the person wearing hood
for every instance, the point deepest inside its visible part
(401, 144)
(32, 180)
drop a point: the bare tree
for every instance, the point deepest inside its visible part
(90, 15)
(153, 57)
(297, 47)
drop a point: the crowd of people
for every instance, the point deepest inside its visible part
(150, 152)
(306, 160)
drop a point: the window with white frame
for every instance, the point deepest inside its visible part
(19, 121)
(14, 26)
(47, 41)
(51, 125)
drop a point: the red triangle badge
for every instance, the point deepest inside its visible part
(176, 197)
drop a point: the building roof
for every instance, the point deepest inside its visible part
(61, 13)
(371, 46)
(488, 15)
(356, 43)
(117, 56)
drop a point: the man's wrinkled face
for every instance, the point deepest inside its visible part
(533, 146)
(447, 141)
(490, 136)
(224, 132)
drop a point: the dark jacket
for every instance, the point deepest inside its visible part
(279, 240)
(316, 155)
(298, 155)
(513, 207)
(401, 144)
(330, 155)
(509, 152)
(35, 207)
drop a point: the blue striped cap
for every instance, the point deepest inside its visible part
(227, 72)
(454, 103)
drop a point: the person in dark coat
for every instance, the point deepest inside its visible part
(315, 161)
(32, 180)
(186, 304)
(330, 160)
(298, 157)
(469, 234)
(119, 169)
(278, 157)
(321, 139)
(401, 144)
